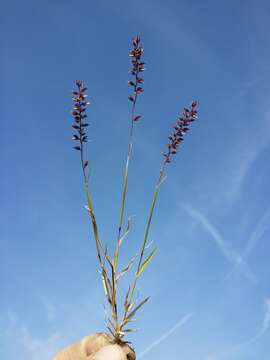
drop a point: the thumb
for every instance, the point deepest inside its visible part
(109, 352)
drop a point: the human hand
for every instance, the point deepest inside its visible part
(99, 346)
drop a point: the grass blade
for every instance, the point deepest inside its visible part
(130, 315)
(122, 273)
(146, 261)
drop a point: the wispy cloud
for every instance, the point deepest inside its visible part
(226, 249)
(50, 310)
(165, 335)
(257, 234)
(243, 167)
(39, 348)
(12, 320)
(30, 346)
(266, 319)
(62, 324)
(245, 154)
(262, 330)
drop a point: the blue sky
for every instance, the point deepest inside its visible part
(209, 283)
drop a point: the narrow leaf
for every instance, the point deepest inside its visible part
(129, 330)
(122, 273)
(136, 309)
(112, 324)
(126, 232)
(104, 286)
(126, 298)
(146, 261)
(110, 330)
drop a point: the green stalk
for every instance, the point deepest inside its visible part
(116, 254)
(110, 291)
(148, 224)
(124, 192)
(123, 201)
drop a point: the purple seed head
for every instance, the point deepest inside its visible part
(180, 129)
(78, 113)
(136, 70)
(79, 117)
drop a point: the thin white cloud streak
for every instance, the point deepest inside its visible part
(242, 168)
(178, 325)
(248, 151)
(222, 245)
(257, 234)
(266, 320)
(263, 329)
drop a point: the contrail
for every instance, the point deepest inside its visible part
(165, 335)
(264, 327)
(226, 250)
(258, 232)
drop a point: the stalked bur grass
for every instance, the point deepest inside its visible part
(116, 324)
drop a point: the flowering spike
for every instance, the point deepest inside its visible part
(137, 67)
(180, 129)
(78, 113)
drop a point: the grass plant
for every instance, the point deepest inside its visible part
(118, 322)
